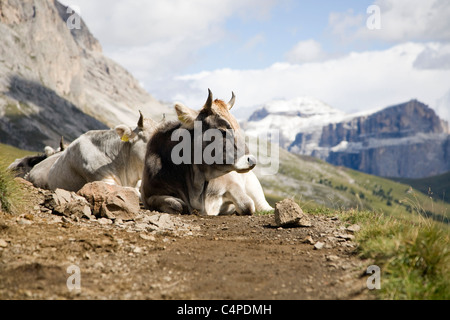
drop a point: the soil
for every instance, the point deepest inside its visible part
(194, 257)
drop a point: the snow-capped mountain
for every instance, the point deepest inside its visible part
(303, 114)
(405, 140)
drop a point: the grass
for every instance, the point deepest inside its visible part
(317, 184)
(11, 194)
(9, 153)
(437, 187)
(414, 257)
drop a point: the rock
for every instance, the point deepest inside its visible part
(111, 201)
(346, 236)
(354, 228)
(104, 221)
(162, 221)
(332, 257)
(147, 237)
(67, 203)
(319, 245)
(137, 250)
(289, 213)
(308, 240)
(24, 222)
(3, 243)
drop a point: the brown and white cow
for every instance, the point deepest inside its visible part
(174, 186)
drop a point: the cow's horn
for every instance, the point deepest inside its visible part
(231, 102)
(61, 144)
(209, 102)
(141, 120)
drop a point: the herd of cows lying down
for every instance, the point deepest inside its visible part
(147, 158)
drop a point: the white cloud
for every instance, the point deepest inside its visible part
(156, 39)
(306, 51)
(401, 21)
(434, 56)
(355, 82)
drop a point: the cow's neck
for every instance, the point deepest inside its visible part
(196, 186)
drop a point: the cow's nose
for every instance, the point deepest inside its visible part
(251, 160)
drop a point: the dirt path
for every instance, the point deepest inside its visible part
(194, 257)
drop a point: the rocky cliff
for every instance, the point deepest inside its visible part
(55, 80)
(405, 140)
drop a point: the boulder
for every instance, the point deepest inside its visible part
(68, 204)
(111, 201)
(289, 213)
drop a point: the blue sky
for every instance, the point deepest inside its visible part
(272, 49)
(257, 43)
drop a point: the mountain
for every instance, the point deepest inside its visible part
(320, 186)
(304, 114)
(56, 81)
(407, 140)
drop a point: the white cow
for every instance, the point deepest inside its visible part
(113, 156)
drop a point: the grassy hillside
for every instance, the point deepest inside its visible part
(318, 185)
(437, 187)
(8, 154)
(412, 251)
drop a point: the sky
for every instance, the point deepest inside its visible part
(355, 55)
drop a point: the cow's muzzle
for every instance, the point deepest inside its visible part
(245, 163)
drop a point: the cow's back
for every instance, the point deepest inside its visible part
(39, 175)
(80, 162)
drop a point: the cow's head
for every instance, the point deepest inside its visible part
(216, 122)
(139, 136)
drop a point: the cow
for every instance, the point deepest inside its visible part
(181, 187)
(113, 156)
(38, 175)
(235, 192)
(21, 167)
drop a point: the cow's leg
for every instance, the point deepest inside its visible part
(166, 204)
(215, 205)
(255, 191)
(243, 204)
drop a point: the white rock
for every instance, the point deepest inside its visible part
(319, 245)
(354, 228)
(3, 243)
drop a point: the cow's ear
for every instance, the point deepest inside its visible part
(124, 132)
(186, 115)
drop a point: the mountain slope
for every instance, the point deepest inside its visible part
(405, 140)
(318, 185)
(55, 81)
(437, 187)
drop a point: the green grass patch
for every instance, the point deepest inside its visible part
(413, 256)
(11, 194)
(436, 187)
(9, 153)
